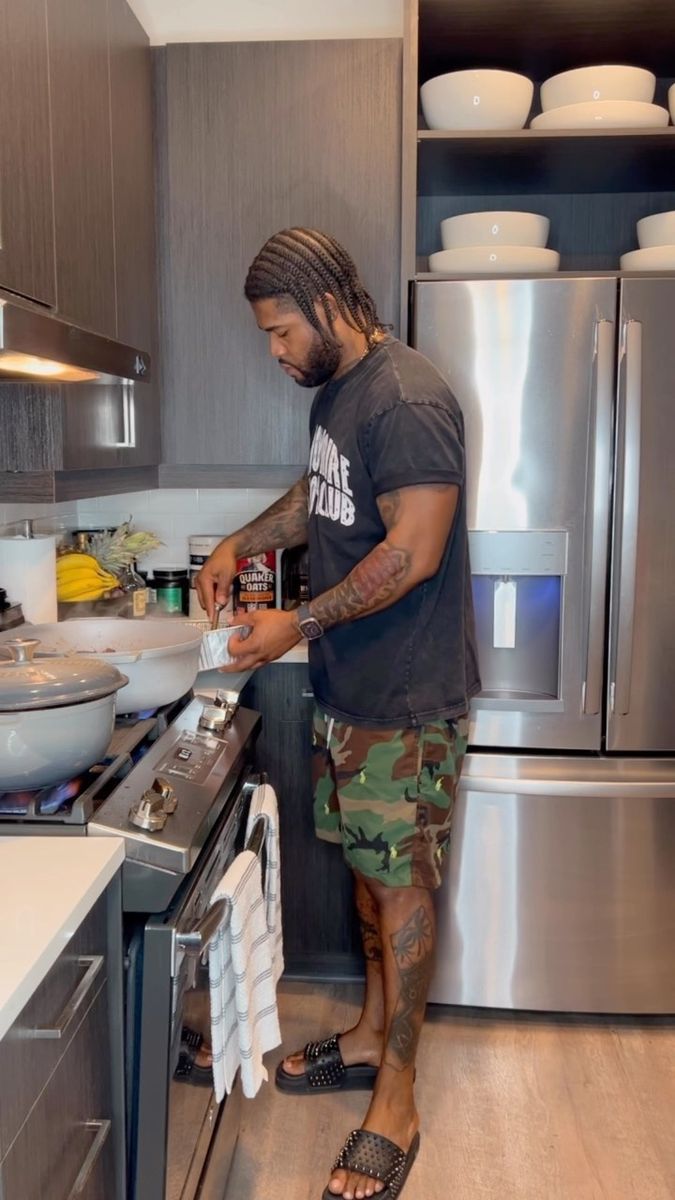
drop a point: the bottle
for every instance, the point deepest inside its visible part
(133, 586)
(172, 587)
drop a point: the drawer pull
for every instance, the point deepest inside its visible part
(307, 694)
(102, 1130)
(93, 963)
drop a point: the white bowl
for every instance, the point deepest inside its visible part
(598, 83)
(603, 114)
(477, 100)
(494, 229)
(657, 230)
(652, 258)
(494, 260)
(671, 102)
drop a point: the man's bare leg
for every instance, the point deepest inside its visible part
(362, 1043)
(407, 930)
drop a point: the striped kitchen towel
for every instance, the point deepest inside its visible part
(264, 804)
(244, 1015)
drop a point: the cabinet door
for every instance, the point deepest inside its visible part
(252, 138)
(67, 1141)
(83, 193)
(26, 210)
(320, 924)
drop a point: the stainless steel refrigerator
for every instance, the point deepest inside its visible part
(560, 892)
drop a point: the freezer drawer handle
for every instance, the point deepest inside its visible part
(610, 789)
(597, 543)
(102, 1130)
(93, 963)
(629, 455)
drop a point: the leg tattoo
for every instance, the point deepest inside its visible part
(369, 922)
(412, 946)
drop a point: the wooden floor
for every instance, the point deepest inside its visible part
(512, 1108)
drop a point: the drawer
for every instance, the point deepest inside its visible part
(65, 1149)
(40, 1036)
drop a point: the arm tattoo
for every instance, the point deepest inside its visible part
(282, 525)
(413, 953)
(374, 583)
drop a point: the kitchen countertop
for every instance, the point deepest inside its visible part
(48, 887)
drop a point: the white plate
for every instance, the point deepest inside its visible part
(607, 114)
(494, 260)
(652, 258)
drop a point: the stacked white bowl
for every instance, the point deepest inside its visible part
(604, 97)
(477, 100)
(656, 238)
(495, 243)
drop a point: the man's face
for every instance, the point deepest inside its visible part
(296, 345)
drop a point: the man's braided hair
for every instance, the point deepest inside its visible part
(306, 264)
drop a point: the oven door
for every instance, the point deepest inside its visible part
(176, 1124)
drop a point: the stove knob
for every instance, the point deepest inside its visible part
(149, 813)
(162, 787)
(213, 719)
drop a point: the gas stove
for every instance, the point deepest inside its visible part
(167, 780)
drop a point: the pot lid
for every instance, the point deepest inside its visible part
(51, 681)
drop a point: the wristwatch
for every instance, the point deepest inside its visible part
(308, 625)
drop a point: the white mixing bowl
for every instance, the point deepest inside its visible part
(477, 100)
(494, 260)
(598, 83)
(657, 230)
(494, 229)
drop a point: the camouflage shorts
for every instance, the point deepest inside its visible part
(388, 796)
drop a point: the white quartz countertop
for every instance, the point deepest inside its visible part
(47, 887)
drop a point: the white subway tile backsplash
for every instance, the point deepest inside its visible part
(173, 500)
(217, 500)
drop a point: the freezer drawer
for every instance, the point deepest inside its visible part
(560, 889)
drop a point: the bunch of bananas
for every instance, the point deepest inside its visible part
(81, 577)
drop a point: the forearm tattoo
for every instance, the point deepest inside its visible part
(374, 583)
(413, 952)
(282, 525)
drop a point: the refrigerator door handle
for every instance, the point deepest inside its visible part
(628, 464)
(596, 547)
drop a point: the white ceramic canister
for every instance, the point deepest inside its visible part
(200, 546)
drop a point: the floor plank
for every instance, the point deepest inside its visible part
(512, 1106)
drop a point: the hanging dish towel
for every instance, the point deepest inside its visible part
(264, 804)
(244, 1016)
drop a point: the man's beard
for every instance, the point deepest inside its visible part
(321, 364)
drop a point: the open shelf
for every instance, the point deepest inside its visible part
(427, 276)
(541, 37)
(529, 160)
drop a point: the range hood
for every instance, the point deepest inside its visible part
(34, 345)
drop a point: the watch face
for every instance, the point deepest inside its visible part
(311, 628)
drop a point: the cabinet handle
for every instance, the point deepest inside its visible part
(102, 1130)
(93, 963)
(307, 694)
(128, 417)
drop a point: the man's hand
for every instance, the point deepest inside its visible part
(273, 632)
(214, 581)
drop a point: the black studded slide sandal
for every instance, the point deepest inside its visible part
(325, 1071)
(373, 1155)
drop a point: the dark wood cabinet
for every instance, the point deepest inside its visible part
(321, 935)
(26, 214)
(253, 137)
(82, 158)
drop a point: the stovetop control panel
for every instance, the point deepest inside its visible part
(193, 756)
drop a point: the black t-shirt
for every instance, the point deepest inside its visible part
(390, 422)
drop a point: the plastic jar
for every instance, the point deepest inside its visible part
(171, 587)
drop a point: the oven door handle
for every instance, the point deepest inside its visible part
(195, 940)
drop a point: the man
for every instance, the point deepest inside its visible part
(392, 657)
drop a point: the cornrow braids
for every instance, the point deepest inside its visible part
(306, 264)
